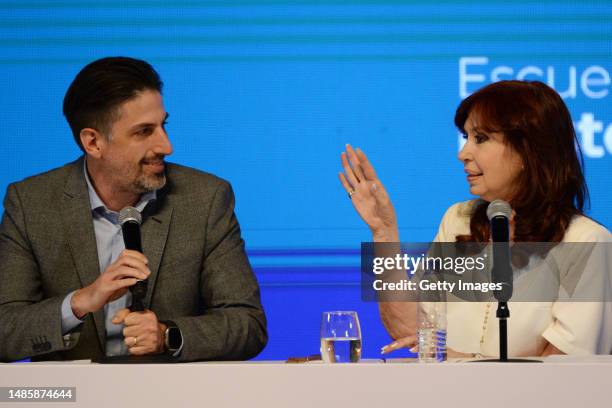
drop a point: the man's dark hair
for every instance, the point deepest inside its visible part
(93, 98)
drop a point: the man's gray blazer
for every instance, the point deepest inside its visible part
(200, 276)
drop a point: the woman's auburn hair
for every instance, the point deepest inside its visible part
(538, 127)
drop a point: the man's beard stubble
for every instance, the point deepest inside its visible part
(145, 183)
(149, 182)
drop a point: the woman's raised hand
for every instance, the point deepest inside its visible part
(368, 195)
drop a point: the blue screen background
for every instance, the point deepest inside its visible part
(267, 93)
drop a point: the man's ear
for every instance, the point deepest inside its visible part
(92, 141)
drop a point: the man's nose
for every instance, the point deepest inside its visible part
(163, 145)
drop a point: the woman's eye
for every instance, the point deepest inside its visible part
(480, 138)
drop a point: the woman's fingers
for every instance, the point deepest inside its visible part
(366, 166)
(355, 164)
(357, 167)
(347, 186)
(348, 170)
(404, 342)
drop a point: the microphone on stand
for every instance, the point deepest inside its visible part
(499, 213)
(130, 220)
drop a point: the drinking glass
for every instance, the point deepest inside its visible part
(340, 337)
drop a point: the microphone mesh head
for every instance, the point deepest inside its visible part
(499, 207)
(129, 214)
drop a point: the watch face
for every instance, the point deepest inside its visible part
(174, 338)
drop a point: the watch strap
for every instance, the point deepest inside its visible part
(170, 325)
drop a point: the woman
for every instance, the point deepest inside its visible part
(520, 148)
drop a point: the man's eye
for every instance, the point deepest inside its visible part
(144, 131)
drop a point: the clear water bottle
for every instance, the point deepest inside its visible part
(431, 332)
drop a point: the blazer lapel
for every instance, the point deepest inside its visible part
(78, 224)
(154, 233)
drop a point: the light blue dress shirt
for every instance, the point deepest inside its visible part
(109, 241)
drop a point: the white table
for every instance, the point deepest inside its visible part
(558, 382)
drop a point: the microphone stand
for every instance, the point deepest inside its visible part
(503, 313)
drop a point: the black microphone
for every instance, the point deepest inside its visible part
(130, 220)
(499, 213)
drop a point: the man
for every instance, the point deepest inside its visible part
(64, 272)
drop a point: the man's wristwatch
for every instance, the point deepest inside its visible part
(173, 339)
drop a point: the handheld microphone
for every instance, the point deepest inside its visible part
(499, 213)
(130, 220)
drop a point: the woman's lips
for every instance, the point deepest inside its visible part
(473, 177)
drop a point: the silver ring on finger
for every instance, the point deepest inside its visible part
(350, 194)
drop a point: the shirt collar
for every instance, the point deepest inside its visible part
(97, 205)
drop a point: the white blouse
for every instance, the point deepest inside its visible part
(577, 328)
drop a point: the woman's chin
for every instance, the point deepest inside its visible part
(491, 197)
(475, 191)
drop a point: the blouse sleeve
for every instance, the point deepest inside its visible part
(582, 317)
